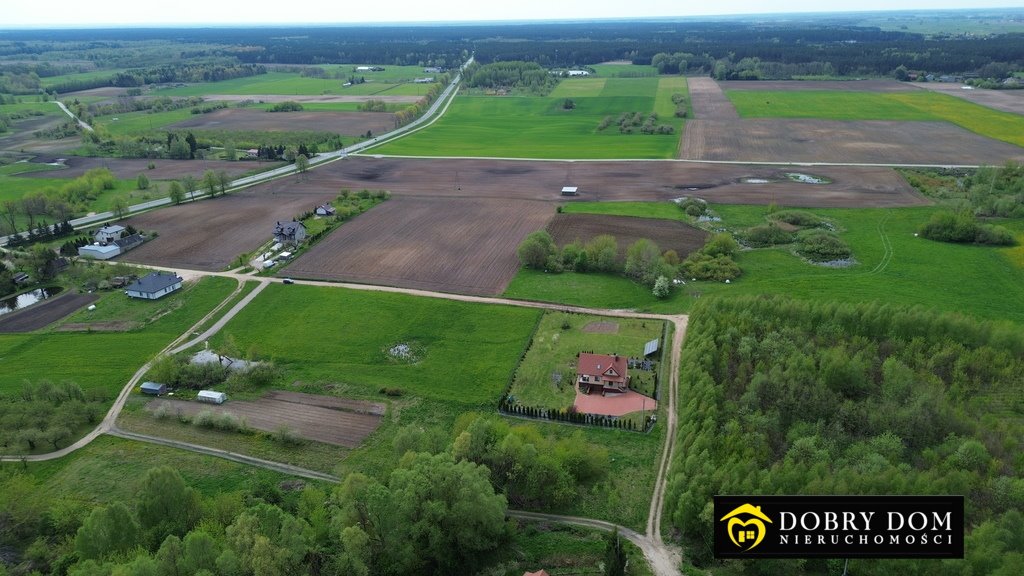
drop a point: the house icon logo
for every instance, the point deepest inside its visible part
(746, 526)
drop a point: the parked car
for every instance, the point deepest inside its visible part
(288, 281)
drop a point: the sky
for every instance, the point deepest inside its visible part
(75, 13)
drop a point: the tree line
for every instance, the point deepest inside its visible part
(800, 397)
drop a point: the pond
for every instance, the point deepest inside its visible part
(27, 299)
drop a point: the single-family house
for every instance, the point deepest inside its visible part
(153, 388)
(108, 234)
(289, 232)
(602, 373)
(325, 210)
(153, 286)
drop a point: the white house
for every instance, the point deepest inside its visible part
(108, 234)
(153, 286)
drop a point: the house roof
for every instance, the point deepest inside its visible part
(128, 240)
(98, 249)
(287, 228)
(609, 368)
(540, 572)
(113, 229)
(151, 386)
(153, 283)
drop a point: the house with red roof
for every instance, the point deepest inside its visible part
(601, 373)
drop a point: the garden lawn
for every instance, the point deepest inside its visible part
(102, 362)
(559, 339)
(536, 127)
(461, 352)
(907, 106)
(892, 266)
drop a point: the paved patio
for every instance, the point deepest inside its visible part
(613, 404)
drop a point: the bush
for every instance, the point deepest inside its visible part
(703, 266)
(694, 206)
(288, 106)
(662, 287)
(797, 218)
(766, 235)
(821, 246)
(536, 250)
(963, 227)
(287, 436)
(204, 419)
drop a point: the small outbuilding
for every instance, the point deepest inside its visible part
(570, 191)
(155, 285)
(99, 251)
(212, 397)
(153, 388)
(325, 210)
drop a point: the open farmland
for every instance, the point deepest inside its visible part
(44, 313)
(667, 234)
(208, 235)
(319, 418)
(1011, 101)
(802, 140)
(446, 192)
(446, 244)
(347, 123)
(709, 101)
(129, 169)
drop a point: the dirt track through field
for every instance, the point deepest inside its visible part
(800, 140)
(311, 417)
(709, 101)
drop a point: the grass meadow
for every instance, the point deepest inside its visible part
(893, 266)
(102, 362)
(540, 127)
(902, 106)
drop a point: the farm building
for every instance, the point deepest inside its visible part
(99, 251)
(289, 232)
(570, 191)
(153, 286)
(212, 397)
(153, 388)
(325, 210)
(602, 373)
(108, 234)
(579, 73)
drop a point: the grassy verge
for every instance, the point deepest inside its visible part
(565, 550)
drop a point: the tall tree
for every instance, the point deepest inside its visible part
(190, 185)
(166, 505)
(107, 530)
(176, 192)
(210, 182)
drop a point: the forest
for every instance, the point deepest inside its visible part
(741, 49)
(788, 397)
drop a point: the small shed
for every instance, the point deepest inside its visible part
(570, 191)
(21, 278)
(212, 397)
(325, 210)
(153, 388)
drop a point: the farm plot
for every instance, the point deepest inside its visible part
(209, 235)
(709, 101)
(349, 123)
(44, 313)
(814, 85)
(450, 245)
(1004, 100)
(803, 140)
(322, 419)
(667, 234)
(851, 186)
(163, 169)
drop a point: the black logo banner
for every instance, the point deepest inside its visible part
(839, 526)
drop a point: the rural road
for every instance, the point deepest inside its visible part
(81, 123)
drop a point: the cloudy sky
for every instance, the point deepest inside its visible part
(63, 13)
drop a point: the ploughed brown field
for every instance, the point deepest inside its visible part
(325, 419)
(348, 123)
(717, 133)
(454, 225)
(44, 313)
(877, 142)
(1006, 100)
(162, 170)
(667, 234)
(464, 245)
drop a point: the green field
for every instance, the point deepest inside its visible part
(291, 83)
(903, 106)
(624, 70)
(102, 362)
(892, 266)
(559, 339)
(539, 127)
